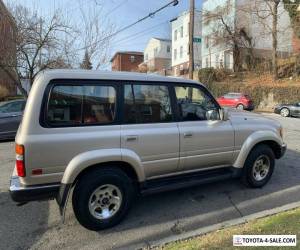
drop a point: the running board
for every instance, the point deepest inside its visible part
(186, 180)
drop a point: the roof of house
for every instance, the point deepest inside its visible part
(138, 53)
(45, 76)
(163, 39)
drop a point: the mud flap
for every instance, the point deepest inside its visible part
(62, 199)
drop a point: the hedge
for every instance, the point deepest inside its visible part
(259, 92)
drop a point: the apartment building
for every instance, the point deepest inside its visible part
(7, 50)
(241, 15)
(157, 55)
(127, 61)
(181, 41)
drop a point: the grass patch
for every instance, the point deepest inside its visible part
(282, 223)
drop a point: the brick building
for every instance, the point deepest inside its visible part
(127, 61)
(7, 50)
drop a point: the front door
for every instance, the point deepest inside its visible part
(149, 128)
(205, 140)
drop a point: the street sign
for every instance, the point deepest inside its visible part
(197, 40)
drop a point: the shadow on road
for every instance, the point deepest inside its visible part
(21, 227)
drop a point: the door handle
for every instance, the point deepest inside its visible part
(131, 138)
(188, 134)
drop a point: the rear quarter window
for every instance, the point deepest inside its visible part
(71, 105)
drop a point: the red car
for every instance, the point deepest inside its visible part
(236, 100)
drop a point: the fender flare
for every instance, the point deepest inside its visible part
(254, 139)
(90, 158)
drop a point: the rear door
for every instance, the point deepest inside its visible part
(205, 140)
(149, 128)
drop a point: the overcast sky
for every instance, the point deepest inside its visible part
(121, 13)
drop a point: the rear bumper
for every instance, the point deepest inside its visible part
(20, 193)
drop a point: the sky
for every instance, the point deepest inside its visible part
(120, 13)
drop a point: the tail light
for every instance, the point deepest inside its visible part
(20, 164)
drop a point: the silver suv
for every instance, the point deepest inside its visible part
(112, 136)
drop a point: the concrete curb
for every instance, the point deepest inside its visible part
(224, 224)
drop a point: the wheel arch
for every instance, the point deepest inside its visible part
(268, 138)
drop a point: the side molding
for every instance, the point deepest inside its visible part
(253, 140)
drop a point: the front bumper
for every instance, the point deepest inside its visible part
(20, 193)
(283, 150)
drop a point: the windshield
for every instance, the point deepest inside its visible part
(10, 107)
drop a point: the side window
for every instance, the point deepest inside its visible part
(147, 104)
(88, 104)
(195, 105)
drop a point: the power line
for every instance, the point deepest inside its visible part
(140, 33)
(150, 15)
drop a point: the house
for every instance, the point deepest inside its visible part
(181, 41)
(7, 52)
(241, 17)
(127, 61)
(157, 55)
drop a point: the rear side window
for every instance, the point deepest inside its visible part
(81, 105)
(147, 104)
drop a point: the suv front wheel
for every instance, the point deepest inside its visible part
(259, 166)
(102, 198)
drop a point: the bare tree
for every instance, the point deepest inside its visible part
(267, 13)
(228, 34)
(96, 33)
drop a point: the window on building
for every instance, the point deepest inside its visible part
(181, 51)
(146, 57)
(175, 35)
(175, 54)
(147, 104)
(81, 104)
(132, 59)
(155, 51)
(188, 29)
(188, 49)
(217, 61)
(181, 31)
(168, 48)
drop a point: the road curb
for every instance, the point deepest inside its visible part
(225, 224)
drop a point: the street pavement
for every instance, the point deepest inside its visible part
(37, 225)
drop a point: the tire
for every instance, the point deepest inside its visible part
(256, 176)
(240, 107)
(285, 112)
(117, 192)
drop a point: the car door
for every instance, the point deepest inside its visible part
(205, 140)
(297, 109)
(149, 128)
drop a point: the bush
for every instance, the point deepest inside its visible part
(207, 75)
(3, 93)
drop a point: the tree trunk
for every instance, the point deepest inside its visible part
(275, 41)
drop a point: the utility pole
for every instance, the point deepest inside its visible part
(191, 38)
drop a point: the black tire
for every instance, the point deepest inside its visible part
(85, 187)
(248, 177)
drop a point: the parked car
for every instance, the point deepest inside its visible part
(236, 100)
(286, 110)
(109, 136)
(10, 117)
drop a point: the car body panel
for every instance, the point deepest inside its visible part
(152, 150)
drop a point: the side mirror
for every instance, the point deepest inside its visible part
(224, 114)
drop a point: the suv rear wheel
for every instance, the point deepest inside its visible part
(259, 166)
(240, 107)
(102, 198)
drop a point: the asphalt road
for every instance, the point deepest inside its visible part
(37, 225)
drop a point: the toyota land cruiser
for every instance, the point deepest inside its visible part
(111, 136)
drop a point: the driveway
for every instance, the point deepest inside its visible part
(37, 225)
